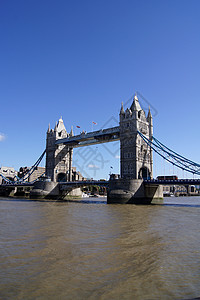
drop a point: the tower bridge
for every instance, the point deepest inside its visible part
(135, 184)
(136, 156)
(136, 159)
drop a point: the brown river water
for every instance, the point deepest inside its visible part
(91, 250)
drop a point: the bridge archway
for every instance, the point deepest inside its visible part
(61, 177)
(144, 173)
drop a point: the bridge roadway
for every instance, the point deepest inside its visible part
(61, 184)
(64, 185)
(172, 182)
(92, 138)
(16, 184)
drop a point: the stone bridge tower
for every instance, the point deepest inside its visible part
(58, 157)
(136, 159)
(136, 156)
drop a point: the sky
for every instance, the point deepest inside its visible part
(81, 59)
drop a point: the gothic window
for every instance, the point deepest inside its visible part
(125, 168)
(131, 168)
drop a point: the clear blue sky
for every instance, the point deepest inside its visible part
(80, 59)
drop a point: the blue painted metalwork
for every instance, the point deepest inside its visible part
(6, 179)
(23, 180)
(173, 182)
(171, 156)
(32, 169)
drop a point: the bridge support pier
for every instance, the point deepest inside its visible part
(51, 190)
(133, 191)
(44, 189)
(6, 191)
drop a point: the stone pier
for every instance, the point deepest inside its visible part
(133, 191)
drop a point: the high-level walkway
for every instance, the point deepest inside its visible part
(91, 138)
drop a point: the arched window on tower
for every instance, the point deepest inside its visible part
(144, 173)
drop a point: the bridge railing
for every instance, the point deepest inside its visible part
(173, 182)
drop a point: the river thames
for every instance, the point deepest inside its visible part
(91, 250)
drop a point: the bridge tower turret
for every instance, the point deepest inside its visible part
(58, 157)
(136, 157)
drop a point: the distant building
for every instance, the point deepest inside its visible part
(179, 190)
(8, 172)
(39, 171)
(76, 175)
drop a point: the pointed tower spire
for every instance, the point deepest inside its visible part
(149, 116)
(150, 121)
(71, 132)
(48, 130)
(122, 109)
(135, 105)
(55, 129)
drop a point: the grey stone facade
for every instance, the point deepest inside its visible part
(36, 174)
(58, 157)
(136, 159)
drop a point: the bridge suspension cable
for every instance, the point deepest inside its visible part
(28, 174)
(32, 169)
(6, 179)
(171, 156)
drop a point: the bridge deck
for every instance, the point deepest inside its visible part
(173, 182)
(105, 183)
(91, 138)
(16, 184)
(64, 185)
